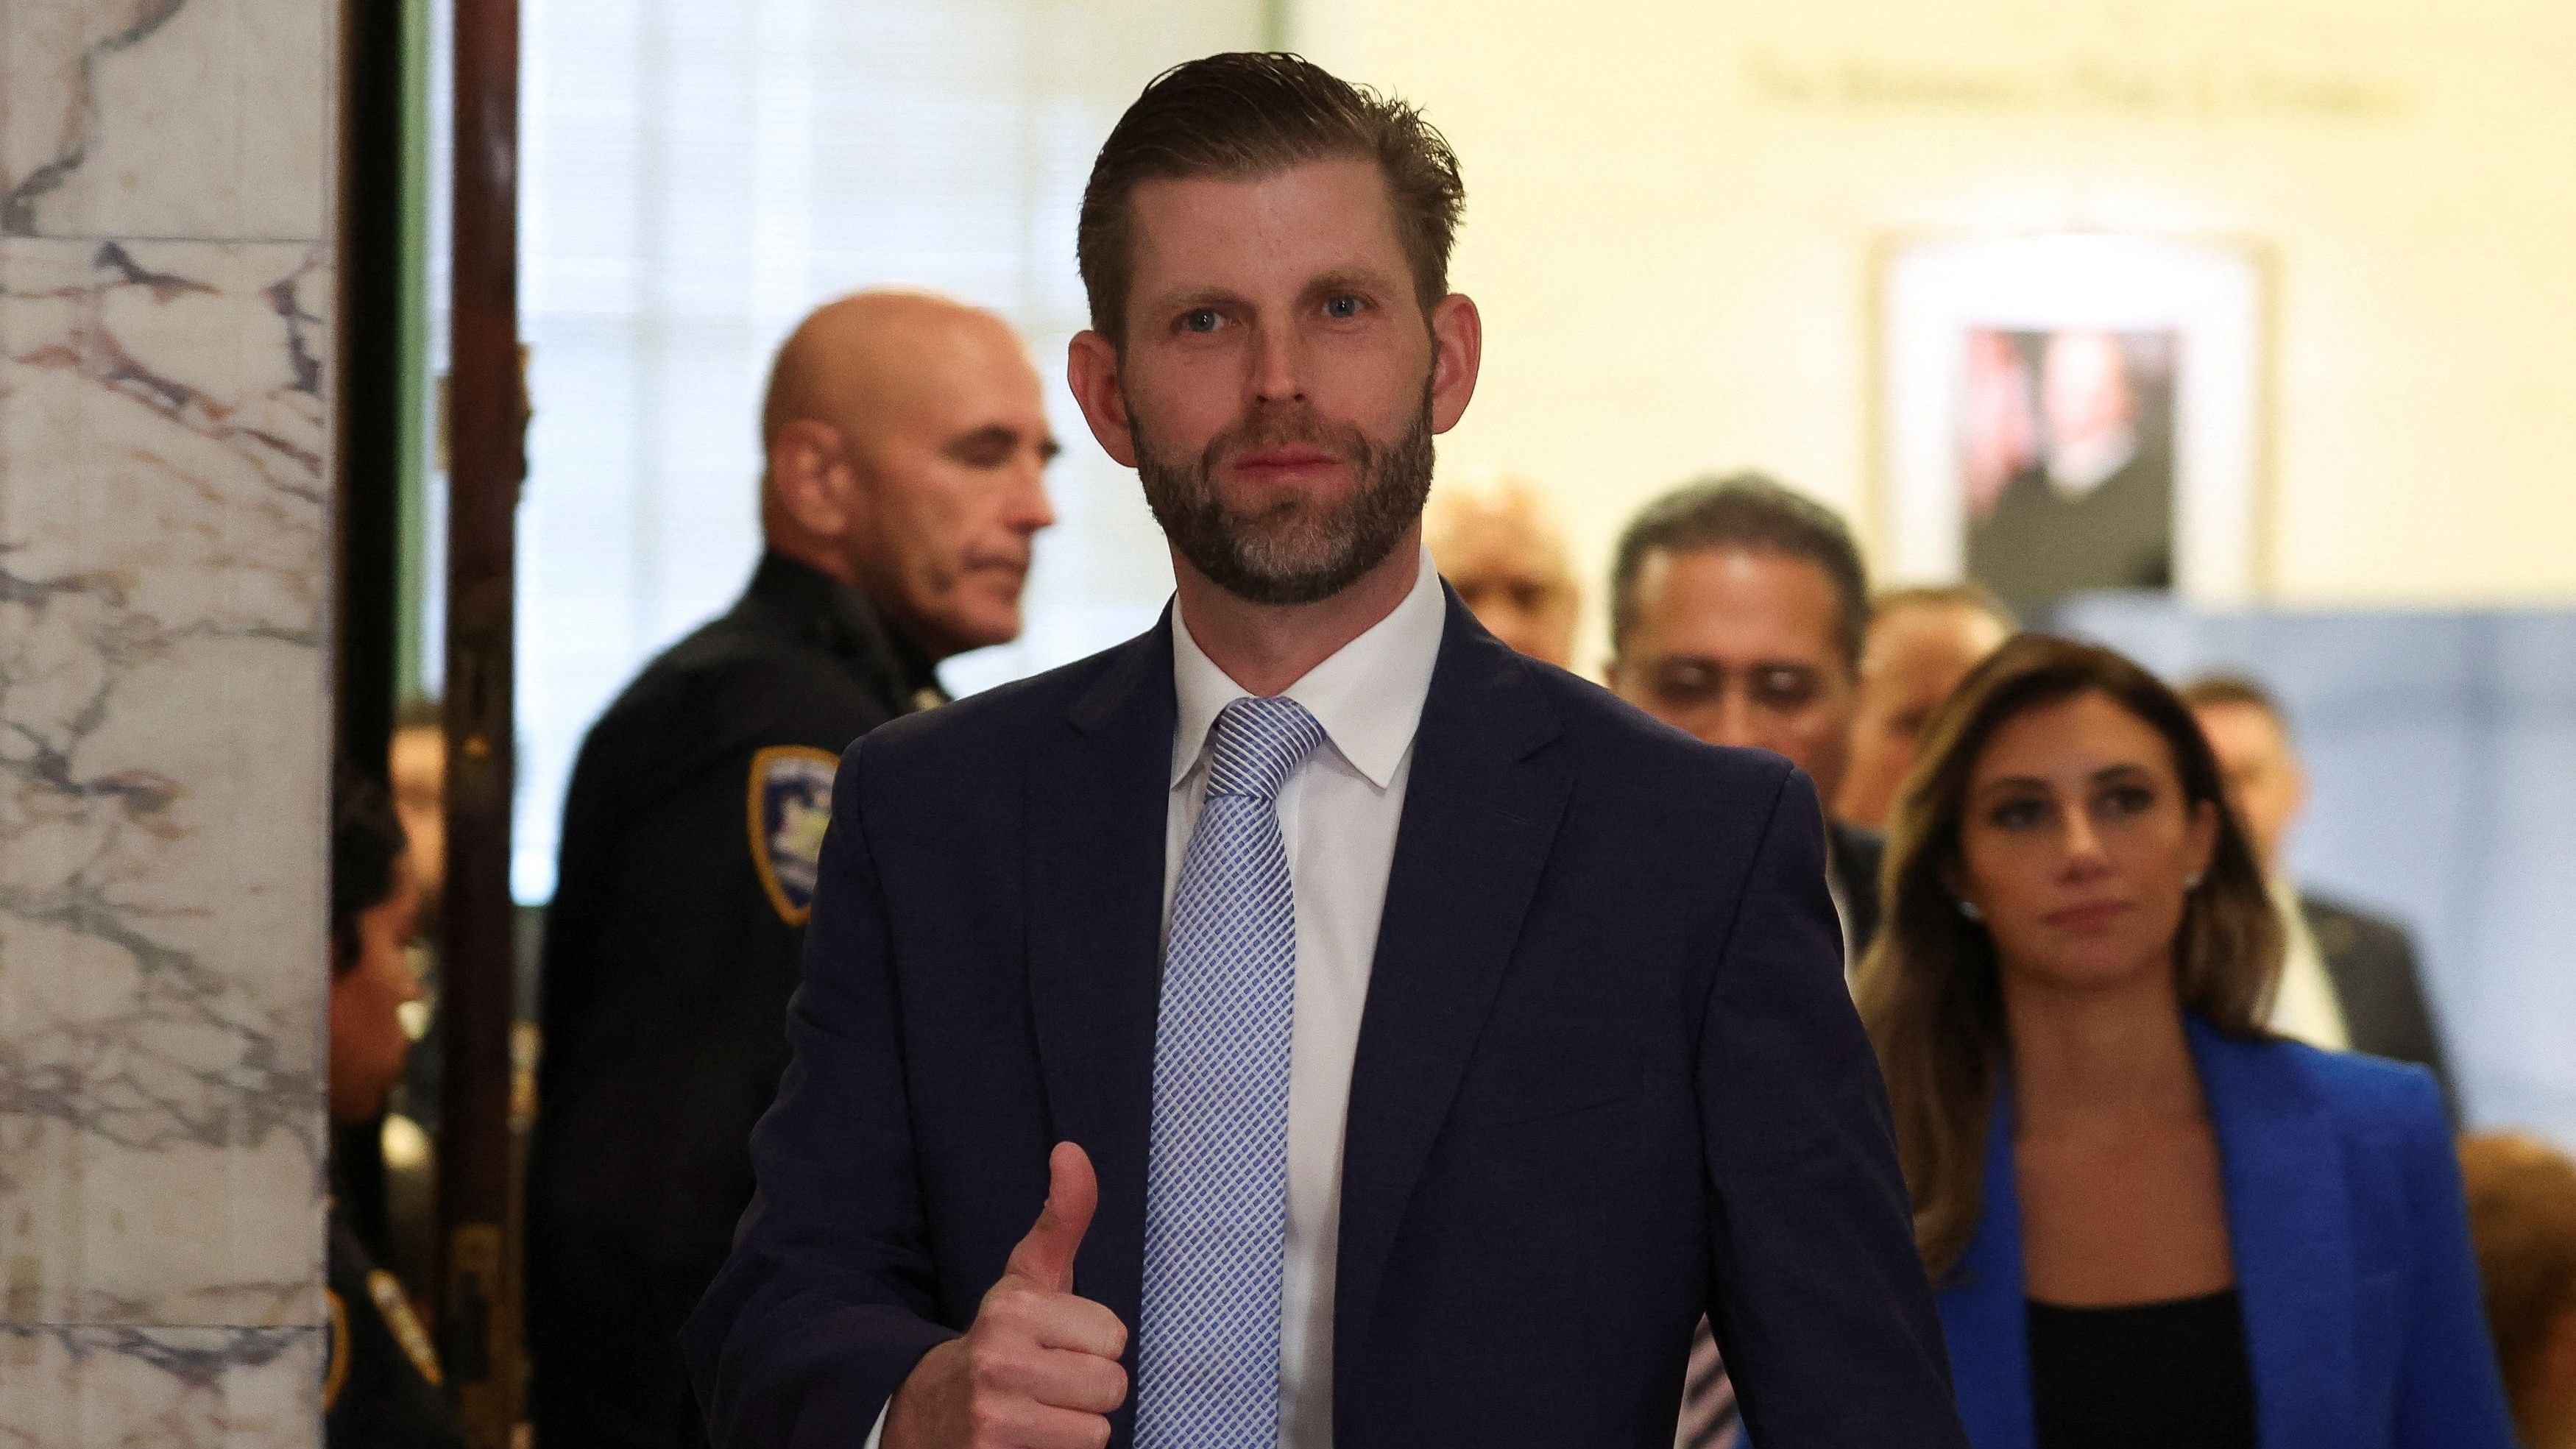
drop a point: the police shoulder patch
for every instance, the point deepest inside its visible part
(791, 804)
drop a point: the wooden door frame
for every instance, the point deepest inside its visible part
(487, 426)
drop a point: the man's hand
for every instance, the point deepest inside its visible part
(1038, 1369)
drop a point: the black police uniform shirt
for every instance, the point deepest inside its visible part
(382, 1387)
(690, 836)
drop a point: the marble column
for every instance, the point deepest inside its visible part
(165, 527)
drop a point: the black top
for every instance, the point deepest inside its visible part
(2148, 1376)
(690, 834)
(381, 1388)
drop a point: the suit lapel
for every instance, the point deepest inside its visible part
(1096, 806)
(1985, 1311)
(2289, 1227)
(1481, 808)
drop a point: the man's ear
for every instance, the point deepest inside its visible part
(1457, 350)
(813, 478)
(1091, 370)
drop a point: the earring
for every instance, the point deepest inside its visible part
(2191, 882)
(1968, 908)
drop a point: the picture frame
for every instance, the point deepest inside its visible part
(2072, 411)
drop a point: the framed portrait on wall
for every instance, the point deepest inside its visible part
(2072, 412)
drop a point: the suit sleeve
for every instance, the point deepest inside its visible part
(2413, 1014)
(827, 1301)
(1817, 1295)
(2450, 1394)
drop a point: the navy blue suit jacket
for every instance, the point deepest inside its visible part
(2353, 1266)
(1607, 1077)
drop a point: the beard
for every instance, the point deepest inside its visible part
(1294, 549)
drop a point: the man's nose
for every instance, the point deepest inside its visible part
(1736, 724)
(1278, 365)
(1029, 509)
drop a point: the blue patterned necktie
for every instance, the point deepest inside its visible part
(1710, 1419)
(1216, 1181)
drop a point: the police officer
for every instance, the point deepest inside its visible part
(381, 1388)
(906, 440)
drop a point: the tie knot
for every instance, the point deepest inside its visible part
(1256, 742)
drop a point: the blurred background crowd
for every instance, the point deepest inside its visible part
(1827, 350)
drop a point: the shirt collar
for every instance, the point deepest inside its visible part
(817, 607)
(1368, 696)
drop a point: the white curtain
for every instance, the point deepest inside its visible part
(695, 177)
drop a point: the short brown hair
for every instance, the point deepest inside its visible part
(2207, 691)
(2522, 1216)
(1930, 988)
(1755, 513)
(1252, 113)
(1970, 595)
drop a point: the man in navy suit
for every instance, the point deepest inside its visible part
(1311, 1023)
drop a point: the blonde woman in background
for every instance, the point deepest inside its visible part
(2522, 1212)
(1493, 537)
(2151, 1222)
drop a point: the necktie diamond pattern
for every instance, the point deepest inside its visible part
(1710, 1419)
(1216, 1182)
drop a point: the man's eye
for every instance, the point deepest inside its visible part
(1343, 308)
(1199, 319)
(1688, 683)
(1783, 688)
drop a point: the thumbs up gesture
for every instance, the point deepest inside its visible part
(1038, 1369)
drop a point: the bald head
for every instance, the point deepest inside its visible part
(906, 440)
(868, 355)
(1496, 541)
(1920, 644)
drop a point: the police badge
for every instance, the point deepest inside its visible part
(791, 804)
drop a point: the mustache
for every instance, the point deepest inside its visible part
(1276, 427)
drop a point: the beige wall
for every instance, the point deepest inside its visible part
(1675, 209)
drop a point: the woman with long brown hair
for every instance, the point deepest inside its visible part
(2151, 1222)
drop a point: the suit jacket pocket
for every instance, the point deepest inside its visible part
(1555, 1080)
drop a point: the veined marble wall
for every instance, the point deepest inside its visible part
(165, 289)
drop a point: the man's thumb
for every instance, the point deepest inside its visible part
(1046, 1254)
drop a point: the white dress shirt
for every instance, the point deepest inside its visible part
(1338, 814)
(2306, 1006)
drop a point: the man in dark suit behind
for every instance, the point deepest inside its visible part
(1395, 1041)
(1737, 613)
(1737, 610)
(905, 441)
(2348, 978)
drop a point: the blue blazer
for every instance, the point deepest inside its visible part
(1607, 1078)
(2353, 1266)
